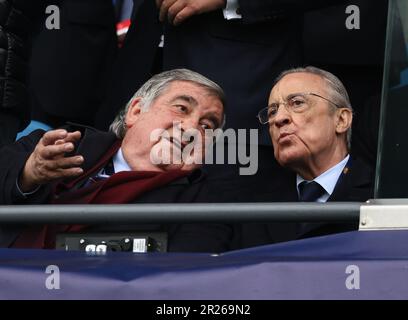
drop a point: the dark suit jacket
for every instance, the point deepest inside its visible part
(356, 57)
(15, 29)
(182, 237)
(70, 67)
(243, 56)
(327, 41)
(355, 184)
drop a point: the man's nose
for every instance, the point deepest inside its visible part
(282, 117)
(190, 128)
(190, 124)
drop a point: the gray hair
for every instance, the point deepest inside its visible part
(155, 87)
(337, 91)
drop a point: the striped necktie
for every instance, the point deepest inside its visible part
(103, 174)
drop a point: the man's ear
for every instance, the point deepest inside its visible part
(133, 112)
(344, 120)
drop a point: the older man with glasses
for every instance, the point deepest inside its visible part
(309, 116)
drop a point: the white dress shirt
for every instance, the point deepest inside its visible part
(327, 179)
(119, 164)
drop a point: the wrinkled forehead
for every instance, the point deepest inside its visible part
(300, 82)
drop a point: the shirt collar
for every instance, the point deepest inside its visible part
(329, 178)
(119, 162)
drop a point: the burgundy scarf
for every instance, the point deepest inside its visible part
(120, 188)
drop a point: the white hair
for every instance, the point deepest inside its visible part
(155, 87)
(337, 91)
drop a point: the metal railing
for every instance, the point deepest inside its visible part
(182, 213)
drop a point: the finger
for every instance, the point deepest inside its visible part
(71, 137)
(48, 171)
(174, 10)
(65, 173)
(50, 152)
(166, 4)
(184, 14)
(64, 163)
(60, 141)
(51, 136)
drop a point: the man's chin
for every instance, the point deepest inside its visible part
(288, 160)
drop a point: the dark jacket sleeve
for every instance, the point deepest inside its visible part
(15, 26)
(263, 10)
(12, 161)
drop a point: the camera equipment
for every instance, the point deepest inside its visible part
(100, 243)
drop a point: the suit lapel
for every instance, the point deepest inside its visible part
(355, 183)
(93, 146)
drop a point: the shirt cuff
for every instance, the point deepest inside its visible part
(231, 11)
(26, 194)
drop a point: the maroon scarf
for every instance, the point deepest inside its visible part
(120, 188)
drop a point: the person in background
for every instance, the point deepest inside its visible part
(241, 45)
(356, 56)
(69, 67)
(15, 27)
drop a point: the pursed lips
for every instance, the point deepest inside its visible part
(283, 136)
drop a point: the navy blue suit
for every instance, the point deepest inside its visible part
(356, 184)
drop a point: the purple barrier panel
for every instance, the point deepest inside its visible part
(354, 265)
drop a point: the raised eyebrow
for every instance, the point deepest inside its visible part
(288, 97)
(274, 103)
(296, 94)
(186, 98)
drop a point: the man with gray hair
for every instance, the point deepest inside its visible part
(144, 158)
(309, 116)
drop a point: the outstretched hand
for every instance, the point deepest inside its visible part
(48, 162)
(178, 11)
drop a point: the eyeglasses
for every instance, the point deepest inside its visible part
(294, 103)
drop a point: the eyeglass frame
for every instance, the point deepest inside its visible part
(294, 95)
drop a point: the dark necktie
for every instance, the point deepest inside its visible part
(107, 171)
(310, 191)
